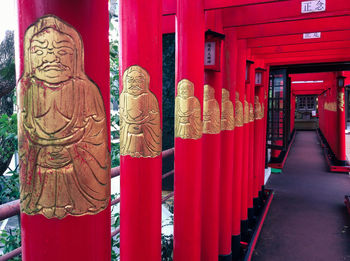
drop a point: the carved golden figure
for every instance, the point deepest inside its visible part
(238, 112)
(63, 138)
(140, 132)
(251, 112)
(246, 111)
(330, 106)
(227, 118)
(211, 111)
(341, 101)
(258, 112)
(188, 124)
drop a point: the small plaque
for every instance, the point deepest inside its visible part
(312, 35)
(209, 53)
(313, 6)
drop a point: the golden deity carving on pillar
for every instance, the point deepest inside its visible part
(246, 111)
(341, 101)
(140, 132)
(188, 124)
(238, 111)
(258, 112)
(63, 137)
(227, 113)
(211, 111)
(251, 112)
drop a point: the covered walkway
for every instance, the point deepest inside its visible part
(307, 219)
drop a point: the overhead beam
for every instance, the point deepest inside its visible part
(318, 53)
(331, 36)
(277, 12)
(306, 60)
(169, 6)
(333, 23)
(300, 48)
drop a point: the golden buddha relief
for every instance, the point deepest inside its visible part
(251, 112)
(63, 137)
(188, 124)
(258, 109)
(227, 114)
(211, 111)
(246, 111)
(238, 112)
(341, 101)
(140, 132)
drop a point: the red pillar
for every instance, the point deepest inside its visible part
(341, 125)
(211, 153)
(238, 148)
(188, 129)
(140, 134)
(252, 146)
(227, 142)
(65, 158)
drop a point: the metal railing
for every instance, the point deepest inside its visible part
(12, 208)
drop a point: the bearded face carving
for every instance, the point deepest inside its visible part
(63, 142)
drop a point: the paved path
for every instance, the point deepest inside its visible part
(307, 220)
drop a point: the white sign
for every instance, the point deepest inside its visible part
(312, 35)
(209, 53)
(313, 113)
(313, 6)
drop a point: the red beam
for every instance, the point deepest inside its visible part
(277, 11)
(169, 6)
(298, 39)
(307, 60)
(318, 53)
(333, 23)
(300, 47)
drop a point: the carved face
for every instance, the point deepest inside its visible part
(225, 95)
(52, 56)
(136, 83)
(209, 93)
(185, 90)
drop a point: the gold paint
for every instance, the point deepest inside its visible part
(259, 110)
(251, 112)
(330, 106)
(140, 132)
(341, 101)
(238, 112)
(246, 111)
(188, 124)
(63, 137)
(227, 114)
(211, 111)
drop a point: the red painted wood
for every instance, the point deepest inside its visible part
(227, 147)
(238, 142)
(332, 23)
(188, 152)
(211, 160)
(301, 47)
(341, 155)
(252, 145)
(302, 54)
(140, 178)
(307, 59)
(72, 238)
(168, 24)
(169, 6)
(277, 12)
(293, 39)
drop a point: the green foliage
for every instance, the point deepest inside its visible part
(115, 224)
(167, 247)
(8, 137)
(10, 239)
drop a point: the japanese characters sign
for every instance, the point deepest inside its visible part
(209, 53)
(312, 35)
(313, 6)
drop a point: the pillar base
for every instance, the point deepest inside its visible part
(251, 218)
(257, 205)
(225, 257)
(244, 230)
(236, 247)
